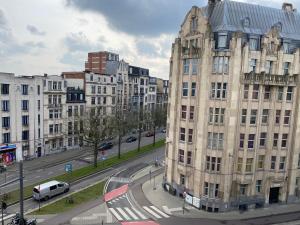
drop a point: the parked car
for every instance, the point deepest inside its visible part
(163, 130)
(105, 146)
(47, 190)
(130, 139)
(2, 169)
(149, 134)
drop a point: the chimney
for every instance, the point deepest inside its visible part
(288, 7)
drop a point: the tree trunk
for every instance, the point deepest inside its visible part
(119, 146)
(154, 135)
(139, 139)
(95, 156)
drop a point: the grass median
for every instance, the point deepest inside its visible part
(13, 196)
(80, 197)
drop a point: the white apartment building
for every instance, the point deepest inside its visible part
(233, 114)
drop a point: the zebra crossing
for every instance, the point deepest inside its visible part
(117, 199)
(131, 213)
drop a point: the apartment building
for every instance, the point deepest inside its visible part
(21, 117)
(233, 115)
(75, 105)
(102, 62)
(55, 113)
(152, 93)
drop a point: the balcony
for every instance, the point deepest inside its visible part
(55, 105)
(269, 79)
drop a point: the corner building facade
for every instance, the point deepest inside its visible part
(234, 106)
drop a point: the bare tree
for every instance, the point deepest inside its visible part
(158, 119)
(96, 127)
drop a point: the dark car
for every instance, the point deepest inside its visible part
(105, 146)
(130, 139)
(149, 134)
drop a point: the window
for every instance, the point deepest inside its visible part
(113, 90)
(49, 85)
(277, 116)
(25, 135)
(268, 67)
(260, 162)
(185, 89)
(81, 110)
(216, 115)
(251, 139)
(49, 99)
(252, 67)
(211, 190)
(220, 64)
(249, 163)
(218, 90)
(205, 188)
(265, 116)
(289, 94)
(284, 140)
(246, 91)
(275, 140)
(243, 189)
(5, 89)
(181, 155)
(194, 24)
(193, 91)
(190, 137)
(244, 116)
(255, 91)
(93, 100)
(218, 164)
(215, 140)
(253, 44)
(186, 66)
(287, 115)
(267, 92)
(39, 104)
(222, 40)
(280, 94)
(282, 163)
(5, 106)
(104, 100)
(104, 90)
(273, 162)
(70, 112)
(195, 66)
(262, 139)
(258, 186)
(24, 89)
(242, 140)
(39, 119)
(54, 85)
(189, 158)
(93, 89)
(240, 164)
(25, 120)
(6, 138)
(182, 134)
(25, 105)
(192, 112)
(182, 179)
(253, 116)
(286, 48)
(299, 160)
(286, 67)
(51, 129)
(5, 122)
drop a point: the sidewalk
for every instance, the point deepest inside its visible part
(173, 205)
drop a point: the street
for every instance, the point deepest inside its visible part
(41, 169)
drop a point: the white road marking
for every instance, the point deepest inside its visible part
(114, 212)
(131, 213)
(139, 213)
(160, 212)
(152, 212)
(123, 214)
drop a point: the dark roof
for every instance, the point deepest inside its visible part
(230, 16)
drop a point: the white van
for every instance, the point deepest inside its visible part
(49, 189)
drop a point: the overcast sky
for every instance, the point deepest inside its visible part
(52, 36)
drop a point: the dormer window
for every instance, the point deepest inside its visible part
(278, 26)
(246, 22)
(222, 40)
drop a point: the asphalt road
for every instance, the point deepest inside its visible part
(38, 173)
(32, 204)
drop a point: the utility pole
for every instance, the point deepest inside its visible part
(21, 193)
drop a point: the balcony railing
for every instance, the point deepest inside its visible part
(269, 79)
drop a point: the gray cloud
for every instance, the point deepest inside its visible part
(35, 31)
(140, 17)
(78, 45)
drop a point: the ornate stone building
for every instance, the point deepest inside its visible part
(234, 112)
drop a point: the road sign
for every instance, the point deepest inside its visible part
(68, 167)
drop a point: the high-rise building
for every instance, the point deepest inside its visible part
(234, 106)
